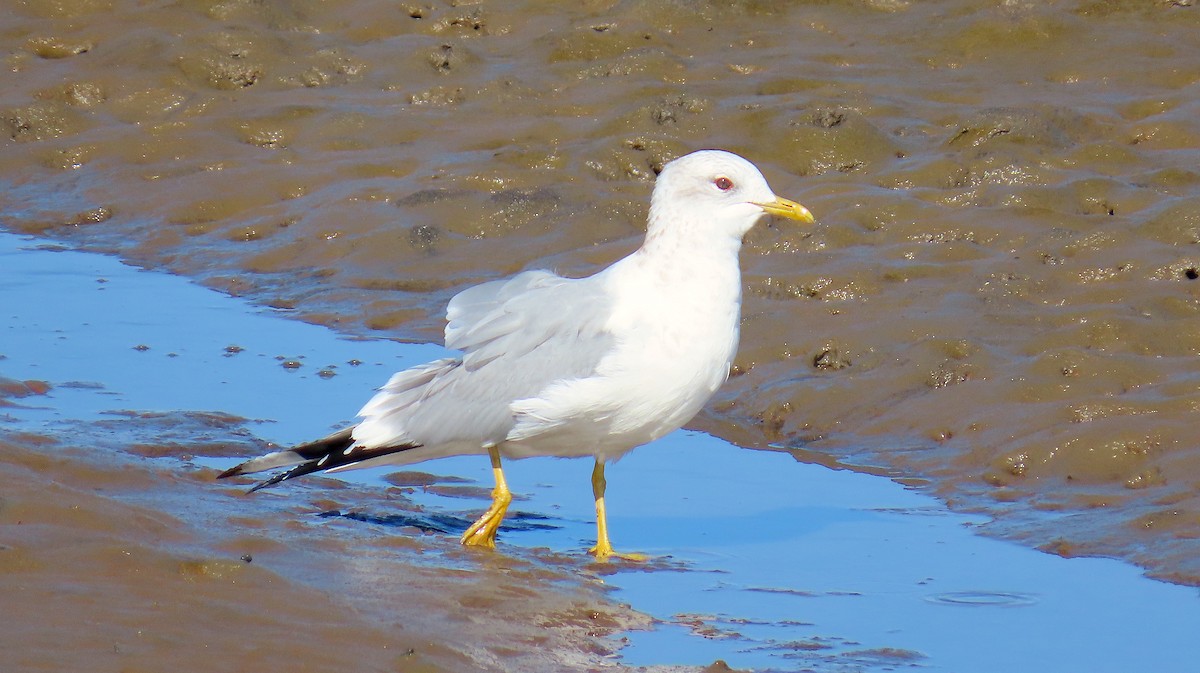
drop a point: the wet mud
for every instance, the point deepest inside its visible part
(1001, 296)
(145, 568)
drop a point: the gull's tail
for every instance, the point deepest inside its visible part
(337, 451)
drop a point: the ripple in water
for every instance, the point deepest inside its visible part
(1003, 599)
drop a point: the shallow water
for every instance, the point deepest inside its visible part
(761, 561)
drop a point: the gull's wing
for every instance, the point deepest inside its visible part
(518, 337)
(512, 316)
(536, 326)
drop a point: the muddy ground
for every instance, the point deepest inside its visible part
(1000, 296)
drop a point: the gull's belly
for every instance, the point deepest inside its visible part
(645, 389)
(675, 330)
(667, 384)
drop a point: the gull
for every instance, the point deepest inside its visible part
(573, 367)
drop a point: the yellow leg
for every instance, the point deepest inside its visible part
(603, 549)
(482, 533)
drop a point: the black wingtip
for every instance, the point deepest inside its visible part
(267, 483)
(325, 454)
(297, 471)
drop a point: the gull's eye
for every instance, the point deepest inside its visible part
(723, 183)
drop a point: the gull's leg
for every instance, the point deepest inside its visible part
(482, 533)
(603, 549)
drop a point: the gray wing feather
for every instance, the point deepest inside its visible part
(479, 319)
(518, 336)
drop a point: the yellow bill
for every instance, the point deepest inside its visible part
(789, 209)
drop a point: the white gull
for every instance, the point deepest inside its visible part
(573, 367)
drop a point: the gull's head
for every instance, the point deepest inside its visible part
(714, 193)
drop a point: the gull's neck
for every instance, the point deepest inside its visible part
(678, 233)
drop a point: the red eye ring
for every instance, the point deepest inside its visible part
(723, 183)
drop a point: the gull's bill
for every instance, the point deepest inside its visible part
(787, 208)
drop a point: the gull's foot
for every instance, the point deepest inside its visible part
(603, 551)
(482, 533)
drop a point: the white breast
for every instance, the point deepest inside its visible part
(676, 333)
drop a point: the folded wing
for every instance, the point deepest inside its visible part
(518, 337)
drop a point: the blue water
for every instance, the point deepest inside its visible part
(763, 561)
